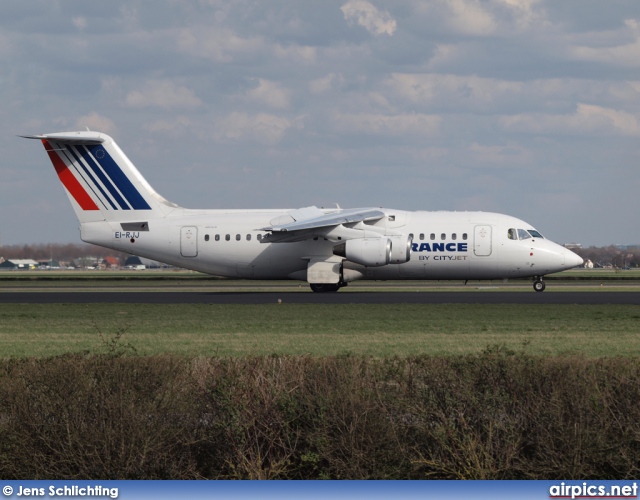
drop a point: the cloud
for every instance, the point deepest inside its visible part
(365, 14)
(79, 22)
(270, 93)
(388, 125)
(262, 127)
(221, 45)
(162, 94)
(604, 119)
(507, 156)
(434, 87)
(524, 13)
(496, 96)
(326, 83)
(96, 122)
(468, 92)
(5, 47)
(588, 119)
(172, 127)
(447, 54)
(470, 17)
(444, 21)
(293, 52)
(626, 55)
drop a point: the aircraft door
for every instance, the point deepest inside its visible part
(482, 241)
(189, 241)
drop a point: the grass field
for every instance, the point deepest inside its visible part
(313, 391)
(318, 330)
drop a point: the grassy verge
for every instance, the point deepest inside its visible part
(318, 330)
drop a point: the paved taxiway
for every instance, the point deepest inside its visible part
(201, 297)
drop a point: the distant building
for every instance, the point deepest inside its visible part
(572, 246)
(135, 262)
(21, 264)
(86, 262)
(112, 262)
(48, 264)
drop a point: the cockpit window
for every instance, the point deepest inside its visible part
(512, 234)
(523, 234)
(535, 233)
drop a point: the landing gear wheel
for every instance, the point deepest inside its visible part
(324, 287)
(539, 286)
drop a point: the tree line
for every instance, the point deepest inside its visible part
(611, 255)
(64, 252)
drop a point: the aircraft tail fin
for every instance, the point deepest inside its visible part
(101, 182)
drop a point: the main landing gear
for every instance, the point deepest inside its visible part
(325, 287)
(538, 284)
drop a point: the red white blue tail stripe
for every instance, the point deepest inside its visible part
(93, 177)
(70, 182)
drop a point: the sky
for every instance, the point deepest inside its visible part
(524, 107)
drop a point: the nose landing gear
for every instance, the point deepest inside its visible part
(538, 284)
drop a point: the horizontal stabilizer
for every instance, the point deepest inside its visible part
(85, 138)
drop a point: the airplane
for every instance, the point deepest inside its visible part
(326, 247)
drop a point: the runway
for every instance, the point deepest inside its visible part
(203, 297)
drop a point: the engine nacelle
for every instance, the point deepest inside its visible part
(400, 248)
(370, 252)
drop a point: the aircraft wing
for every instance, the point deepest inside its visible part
(304, 223)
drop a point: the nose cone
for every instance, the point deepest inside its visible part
(572, 260)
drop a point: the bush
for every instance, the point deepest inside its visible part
(498, 415)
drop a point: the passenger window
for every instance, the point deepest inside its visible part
(217, 238)
(454, 236)
(259, 237)
(443, 236)
(410, 236)
(228, 237)
(523, 235)
(206, 237)
(464, 236)
(238, 237)
(432, 236)
(421, 236)
(248, 237)
(511, 234)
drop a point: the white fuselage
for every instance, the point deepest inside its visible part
(446, 245)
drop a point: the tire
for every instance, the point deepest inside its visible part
(324, 287)
(539, 286)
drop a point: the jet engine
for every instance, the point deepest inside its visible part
(400, 249)
(371, 252)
